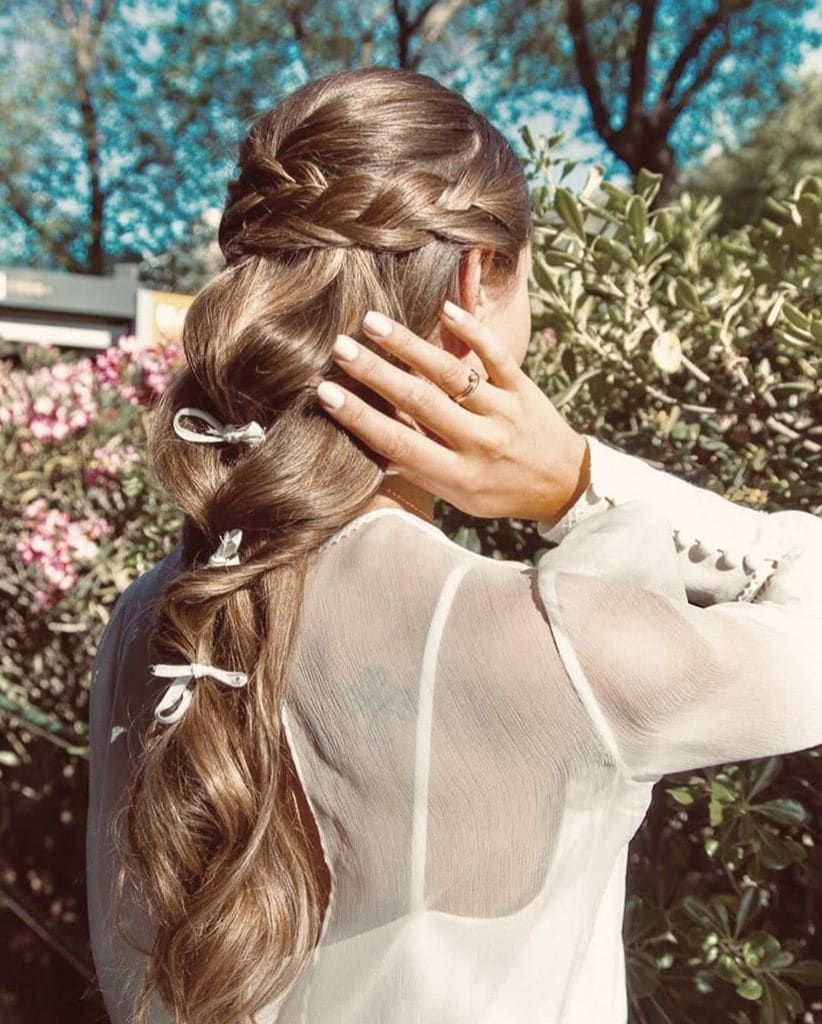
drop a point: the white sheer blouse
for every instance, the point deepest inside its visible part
(478, 739)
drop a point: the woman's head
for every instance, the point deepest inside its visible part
(371, 189)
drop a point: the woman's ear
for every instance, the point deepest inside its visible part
(472, 272)
(472, 296)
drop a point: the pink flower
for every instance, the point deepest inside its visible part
(54, 546)
(109, 462)
(50, 402)
(138, 371)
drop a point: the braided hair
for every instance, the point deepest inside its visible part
(360, 190)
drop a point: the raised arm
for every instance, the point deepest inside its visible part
(673, 686)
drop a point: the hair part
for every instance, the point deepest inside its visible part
(361, 190)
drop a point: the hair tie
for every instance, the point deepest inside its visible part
(180, 690)
(226, 553)
(215, 432)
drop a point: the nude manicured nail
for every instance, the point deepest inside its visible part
(330, 395)
(345, 348)
(452, 312)
(377, 323)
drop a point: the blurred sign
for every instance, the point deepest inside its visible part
(48, 307)
(160, 314)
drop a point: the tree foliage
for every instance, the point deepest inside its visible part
(783, 147)
(656, 74)
(121, 117)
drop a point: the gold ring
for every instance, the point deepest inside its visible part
(473, 381)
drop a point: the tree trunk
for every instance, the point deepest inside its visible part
(641, 144)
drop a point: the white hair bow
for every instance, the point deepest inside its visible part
(215, 432)
(180, 690)
(226, 553)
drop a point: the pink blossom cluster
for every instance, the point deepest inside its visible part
(109, 462)
(51, 402)
(55, 544)
(137, 371)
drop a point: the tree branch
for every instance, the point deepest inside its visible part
(719, 51)
(57, 248)
(690, 51)
(404, 33)
(639, 58)
(586, 68)
(301, 37)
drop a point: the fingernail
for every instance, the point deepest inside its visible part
(345, 347)
(330, 395)
(452, 312)
(377, 323)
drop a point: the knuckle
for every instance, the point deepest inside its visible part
(402, 340)
(397, 447)
(454, 379)
(422, 399)
(356, 411)
(472, 485)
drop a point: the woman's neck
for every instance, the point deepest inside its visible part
(400, 493)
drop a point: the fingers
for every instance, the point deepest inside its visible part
(449, 373)
(417, 458)
(419, 397)
(503, 369)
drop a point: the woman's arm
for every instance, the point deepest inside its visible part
(672, 686)
(727, 551)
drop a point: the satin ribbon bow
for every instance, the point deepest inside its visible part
(180, 690)
(226, 553)
(215, 432)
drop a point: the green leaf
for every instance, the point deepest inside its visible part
(647, 184)
(748, 904)
(467, 537)
(559, 258)
(681, 795)
(616, 193)
(686, 295)
(569, 393)
(806, 972)
(637, 217)
(568, 209)
(779, 960)
(721, 791)
(749, 989)
(783, 811)
(768, 772)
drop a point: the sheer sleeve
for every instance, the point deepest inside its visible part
(674, 686)
(727, 550)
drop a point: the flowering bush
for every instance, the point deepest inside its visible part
(58, 546)
(137, 372)
(50, 403)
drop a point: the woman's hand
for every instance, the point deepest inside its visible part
(507, 451)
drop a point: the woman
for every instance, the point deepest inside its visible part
(356, 772)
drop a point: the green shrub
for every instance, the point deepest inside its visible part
(702, 354)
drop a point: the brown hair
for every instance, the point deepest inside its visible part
(360, 190)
